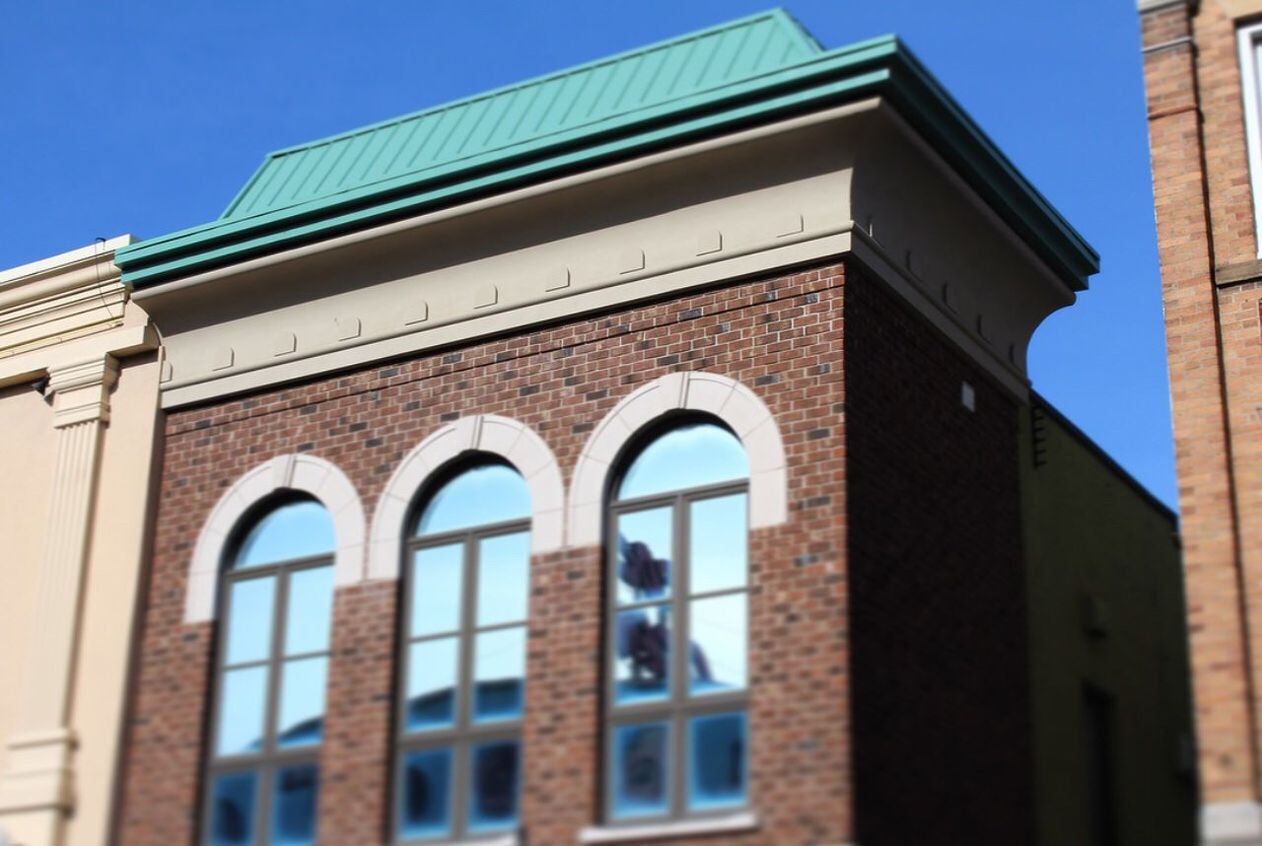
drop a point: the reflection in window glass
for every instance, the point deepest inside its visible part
(641, 776)
(431, 687)
(499, 673)
(717, 658)
(491, 493)
(642, 654)
(437, 576)
(310, 611)
(425, 809)
(243, 698)
(232, 809)
(689, 456)
(644, 553)
(300, 529)
(503, 578)
(294, 806)
(493, 788)
(250, 620)
(677, 626)
(716, 761)
(717, 542)
(301, 718)
(465, 670)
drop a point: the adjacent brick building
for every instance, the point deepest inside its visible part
(1201, 70)
(812, 256)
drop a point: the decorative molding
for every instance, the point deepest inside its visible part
(309, 474)
(1232, 824)
(709, 393)
(1147, 6)
(80, 391)
(511, 440)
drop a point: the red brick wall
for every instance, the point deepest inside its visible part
(1205, 228)
(780, 336)
(939, 662)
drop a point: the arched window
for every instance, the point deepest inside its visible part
(675, 736)
(463, 670)
(277, 608)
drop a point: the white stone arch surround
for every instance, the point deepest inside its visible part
(512, 441)
(709, 393)
(307, 474)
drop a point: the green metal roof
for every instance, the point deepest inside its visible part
(496, 122)
(736, 74)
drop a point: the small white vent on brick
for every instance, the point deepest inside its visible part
(968, 396)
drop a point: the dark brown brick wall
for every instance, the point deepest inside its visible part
(937, 593)
(781, 336)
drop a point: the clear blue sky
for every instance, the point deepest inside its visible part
(146, 118)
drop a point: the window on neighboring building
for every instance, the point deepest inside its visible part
(1250, 46)
(676, 734)
(277, 604)
(463, 669)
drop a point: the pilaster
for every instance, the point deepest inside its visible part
(37, 788)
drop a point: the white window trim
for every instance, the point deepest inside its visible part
(512, 441)
(710, 393)
(1247, 37)
(298, 472)
(729, 824)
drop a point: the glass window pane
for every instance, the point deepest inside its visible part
(717, 543)
(716, 656)
(499, 672)
(301, 718)
(642, 654)
(310, 611)
(644, 553)
(437, 575)
(687, 457)
(431, 690)
(294, 530)
(490, 493)
(716, 765)
(250, 620)
(641, 773)
(243, 696)
(425, 804)
(493, 786)
(232, 809)
(294, 806)
(503, 578)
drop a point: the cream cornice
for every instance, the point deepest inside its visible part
(50, 302)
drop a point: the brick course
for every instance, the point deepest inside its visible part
(1205, 220)
(782, 335)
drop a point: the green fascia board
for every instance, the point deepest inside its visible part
(881, 66)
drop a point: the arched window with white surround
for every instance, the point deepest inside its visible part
(677, 610)
(466, 585)
(276, 609)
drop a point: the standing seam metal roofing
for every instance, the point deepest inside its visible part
(815, 78)
(526, 112)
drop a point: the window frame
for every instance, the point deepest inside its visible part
(271, 759)
(679, 708)
(465, 733)
(1248, 41)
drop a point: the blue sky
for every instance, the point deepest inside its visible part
(119, 117)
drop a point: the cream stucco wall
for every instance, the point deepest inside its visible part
(26, 454)
(110, 597)
(79, 421)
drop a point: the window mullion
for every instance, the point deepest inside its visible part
(682, 652)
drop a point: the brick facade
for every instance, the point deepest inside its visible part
(781, 336)
(938, 614)
(1210, 273)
